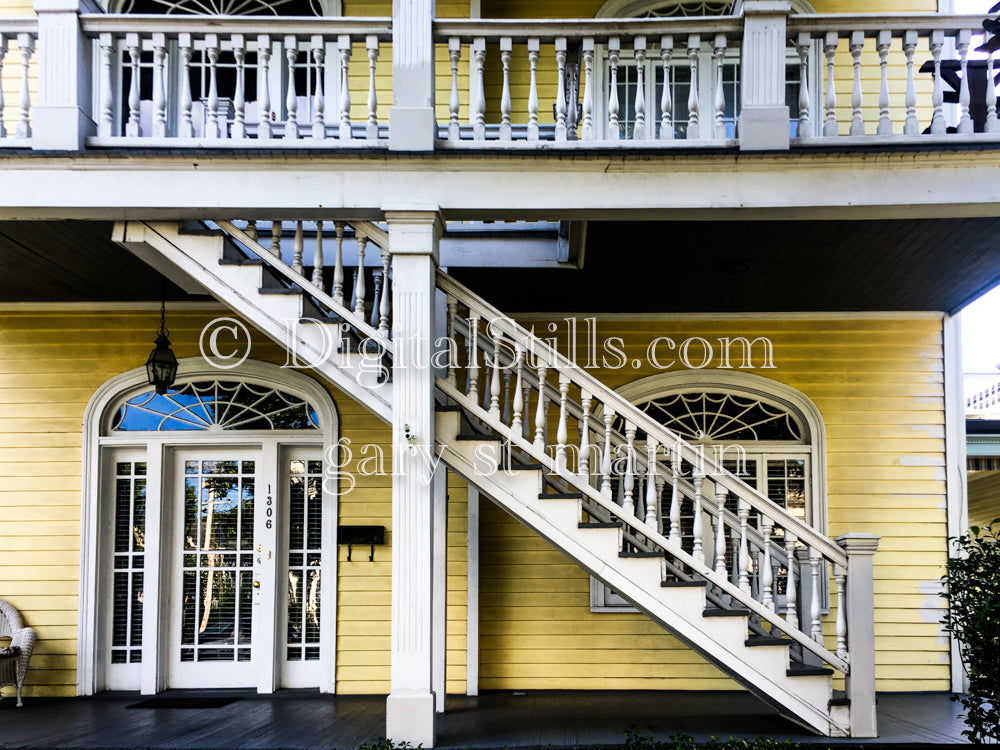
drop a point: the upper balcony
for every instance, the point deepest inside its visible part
(76, 79)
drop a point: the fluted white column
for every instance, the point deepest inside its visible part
(764, 114)
(412, 123)
(410, 714)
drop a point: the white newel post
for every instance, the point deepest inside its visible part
(764, 114)
(860, 683)
(63, 116)
(413, 242)
(412, 125)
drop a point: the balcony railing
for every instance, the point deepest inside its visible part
(296, 83)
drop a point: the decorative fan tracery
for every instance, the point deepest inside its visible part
(225, 7)
(216, 405)
(719, 416)
(689, 8)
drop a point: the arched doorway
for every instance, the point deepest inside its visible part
(208, 533)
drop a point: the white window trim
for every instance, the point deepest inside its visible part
(631, 8)
(91, 668)
(746, 384)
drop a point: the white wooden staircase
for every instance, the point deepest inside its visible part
(724, 569)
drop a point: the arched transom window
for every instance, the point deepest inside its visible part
(716, 417)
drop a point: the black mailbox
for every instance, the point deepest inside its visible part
(370, 535)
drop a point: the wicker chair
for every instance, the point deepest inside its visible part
(14, 666)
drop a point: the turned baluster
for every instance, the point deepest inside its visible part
(912, 125)
(344, 47)
(802, 47)
(291, 97)
(319, 99)
(517, 407)
(587, 129)
(533, 50)
(506, 396)
(106, 123)
(720, 530)
(359, 284)
(744, 557)
(606, 463)
(562, 431)
(539, 442)
(473, 358)
(26, 43)
(840, 576)
(455, 54)
(883, 41)
(376, 296)
(506, 46)
(791, 590)
(583, 466)
(857, 47)
(371, 130)
(451, 375)
(239, 128)
(132, 127)
(666, 102)
(264, 130)
(338, 264)
(766, 573)
(479, 124)
(159, 90)
(938, 125)
(693, 50)
(674, 534)
(658, 520)
(628, 504)
(698, 530)
(965, 120)
(720, 91)
(385, 304)
(495, 384)
(992, 121)
(830, 50)
(639, 128)
(816, 624)
(275, 239)
(561, 134)
(212, 128)
(317, 274)
(614, 50)
(651, 487)
(297, 248)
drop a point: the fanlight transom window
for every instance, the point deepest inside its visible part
(215, 405)
(690, 8)
(719, 416)
(225, 7)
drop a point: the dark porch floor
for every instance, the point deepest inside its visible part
(544, 719)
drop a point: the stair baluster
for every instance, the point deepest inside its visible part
(338, 267)
(698, 547)
(628, 504)
(507, 406)
(606, 463)
(766, 573)
(562, 431)
(720, 530)
(674, 534)
(376, 296)
(297, 248)
(452, 375)
(359, 283)
(583, 463)
(317, 274)
(651, 489)
(816, 624)
(517, 407)
(385, 304)
(791, 586)
(494, 360)
(539, 442)
(744, 553)
(840, 576)
(473, 352)
(275, 239)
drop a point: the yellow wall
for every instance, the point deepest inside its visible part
(878, 385)
(50, 365)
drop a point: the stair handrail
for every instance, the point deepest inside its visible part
(300, 280)
(506, 326)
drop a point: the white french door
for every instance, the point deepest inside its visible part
(217, 569)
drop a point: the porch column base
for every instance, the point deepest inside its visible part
(60, 128)
(410, 718)
(764, 129)
(412, 129)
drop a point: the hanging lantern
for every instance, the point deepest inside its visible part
(161, 367)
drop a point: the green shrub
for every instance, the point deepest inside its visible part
(972, 587)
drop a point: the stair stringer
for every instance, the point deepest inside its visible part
(720, 640)
(239, 287)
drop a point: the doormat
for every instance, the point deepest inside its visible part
(184, 703)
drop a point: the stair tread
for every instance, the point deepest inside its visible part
(682, 584)
(560, 495)
(766, 640)
(804, 671)
(715, 612)
(598, 524)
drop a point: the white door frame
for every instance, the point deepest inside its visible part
(158, 446)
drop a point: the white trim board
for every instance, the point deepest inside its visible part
(887, 315)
